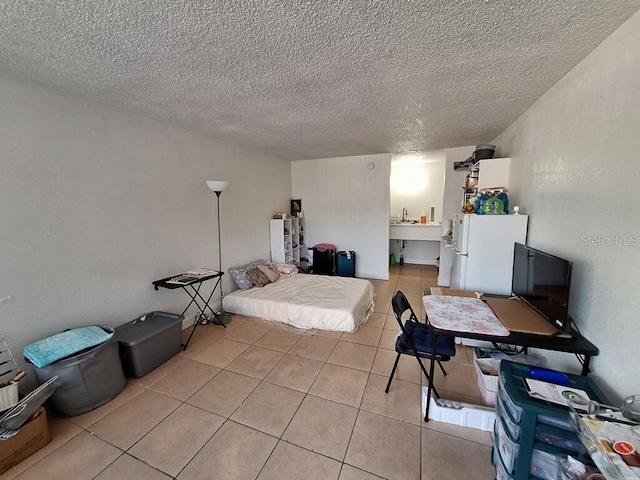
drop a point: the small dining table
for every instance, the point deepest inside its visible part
(463, 315)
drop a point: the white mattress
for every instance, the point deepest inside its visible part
(308, 301)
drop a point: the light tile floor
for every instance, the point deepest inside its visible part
(257, 401)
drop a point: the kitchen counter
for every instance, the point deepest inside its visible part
(430, 232)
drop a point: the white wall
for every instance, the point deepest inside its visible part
(347, 204)
(96, 203)
(417, 183)
(577, 174)
(416, 252)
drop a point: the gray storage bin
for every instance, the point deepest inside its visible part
(86, 380)
(149, 341)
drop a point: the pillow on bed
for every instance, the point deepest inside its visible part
(271, 273)
(239, 274)
(258, 278)
(285, 269)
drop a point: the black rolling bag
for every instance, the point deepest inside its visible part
(324, 259)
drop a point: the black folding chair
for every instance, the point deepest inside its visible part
(416, 339)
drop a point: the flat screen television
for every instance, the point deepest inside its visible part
(543, 282)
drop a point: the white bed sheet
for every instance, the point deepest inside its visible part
(308, 301)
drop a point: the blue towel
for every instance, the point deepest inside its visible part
(48, 350)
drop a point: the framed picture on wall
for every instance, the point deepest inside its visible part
(296, 207)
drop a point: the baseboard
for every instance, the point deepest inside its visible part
(188, 321)
(190, 318)
(375, 275)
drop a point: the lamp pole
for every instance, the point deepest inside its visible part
(218, 187)
(219, 248)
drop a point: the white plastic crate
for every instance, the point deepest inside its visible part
(486, 367)
(488, 397)
(489, 381)
(8, 370)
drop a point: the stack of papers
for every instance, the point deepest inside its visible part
(192, 275)
(201, 272)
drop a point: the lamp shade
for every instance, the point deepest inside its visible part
(217, 185)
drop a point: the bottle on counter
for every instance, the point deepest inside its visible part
(423, 218)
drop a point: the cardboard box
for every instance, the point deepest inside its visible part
(32, 437)
(465, 415)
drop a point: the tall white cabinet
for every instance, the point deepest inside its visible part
(287, 238)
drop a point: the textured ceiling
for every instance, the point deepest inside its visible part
(310, 78)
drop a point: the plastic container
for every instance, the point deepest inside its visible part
(501, 473)
(541, 424)
(631, 408)
(8, 370)
(488, 397)
(560, 438)
(544, 465)
(561, 423)
(423, 218)
(484, 151)
(149, 341)
(515, 412)
(86, 380)
(490, 381)
(508, 448)
(513, 428)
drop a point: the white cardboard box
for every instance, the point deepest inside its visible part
(472, 416)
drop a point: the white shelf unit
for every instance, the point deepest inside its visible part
(287, 238)
(487, 174)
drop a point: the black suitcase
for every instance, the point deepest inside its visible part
(346, 263)
(324, 259)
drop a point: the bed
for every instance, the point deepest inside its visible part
(307, 302)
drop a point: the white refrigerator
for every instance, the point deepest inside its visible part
(483, 247)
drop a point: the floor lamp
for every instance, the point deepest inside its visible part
(218, 187)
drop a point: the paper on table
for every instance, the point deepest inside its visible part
(183, 279)
(558, 394)
(201, 272)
